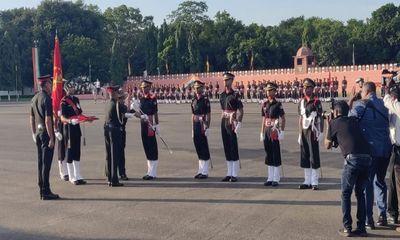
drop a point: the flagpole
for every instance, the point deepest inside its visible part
(354, 60)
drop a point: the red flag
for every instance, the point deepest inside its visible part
(57, 93)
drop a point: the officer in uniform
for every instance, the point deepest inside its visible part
(201, 117)
(113, 129)
(310, 134)
(231, 122)
(121, 164)
(70, 110)
(272, 131)
(148, 114)
(41, 120)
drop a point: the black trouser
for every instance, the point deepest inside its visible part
(272, 148)
(45, 158)
(149, 142)
(393, 209)
(229, 139)
(309, 149)
(200, 141)
(121, 165)
(113, 141)
(72, 141)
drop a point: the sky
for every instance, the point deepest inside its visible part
(264, 12)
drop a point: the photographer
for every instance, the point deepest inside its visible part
(345, 132)
(373, 118)
(391, 102)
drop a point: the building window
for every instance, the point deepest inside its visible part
(299, 61)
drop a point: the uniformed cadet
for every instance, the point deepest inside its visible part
(113, 136)
(41, 120)
(272, 132)
(201, 118)
(70, 110)
(310, 134)
(59, 133)
(148, 113)
(231, 122)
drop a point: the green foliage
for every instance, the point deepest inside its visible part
(121, 39)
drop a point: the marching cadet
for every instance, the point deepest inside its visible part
(231, 122)
(113, 128)
(201, 118)
(41, 120)
(148, 113)
(70, 110)
(271, 133)
(310, 134)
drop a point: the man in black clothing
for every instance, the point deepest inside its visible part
(346, 132)
(41, 120)
(231, 122)
(70, 110)
(201, 117)
(113, 128)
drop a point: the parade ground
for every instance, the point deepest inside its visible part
(175, 206)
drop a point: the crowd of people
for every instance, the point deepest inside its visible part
(366, 128)
(253, 91)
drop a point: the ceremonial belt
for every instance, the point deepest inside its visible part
(229, 114)
(198, 118)
(269, 122)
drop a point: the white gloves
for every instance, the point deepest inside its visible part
(207, 132)
(237, 128)
(34, 137)
(281, 135)
(144, 117)
(320, 137)
(135, 105)
(74, 121)
(299, 139)
(261, 137)
(129, 115)
(59, 113)
(58, 135)
(156, 128)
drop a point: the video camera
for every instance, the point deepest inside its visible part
(329, 114)
(394, 84)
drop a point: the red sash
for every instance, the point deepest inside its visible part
(73, 105)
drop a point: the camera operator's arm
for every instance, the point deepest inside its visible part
(328, 142)
(392, 104)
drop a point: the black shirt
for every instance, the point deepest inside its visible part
(111, 116)
(148, 104)
(347, 133)
(67, 110)
(201, 106)
(272, 109)
(230, 101)
(310, 106)
(41, 107)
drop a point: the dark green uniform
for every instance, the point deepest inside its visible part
(40, 109)
(113, 129)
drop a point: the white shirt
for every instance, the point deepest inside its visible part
(97, 83)
(394, 118)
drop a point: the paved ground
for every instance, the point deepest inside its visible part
(176, 206)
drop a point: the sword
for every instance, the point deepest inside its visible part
(138, 109)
